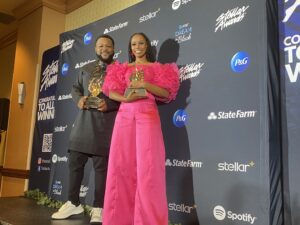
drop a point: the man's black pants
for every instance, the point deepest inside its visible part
(77, 161)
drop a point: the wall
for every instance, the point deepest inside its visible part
(7, 57)
(34, 37)
(96, 10)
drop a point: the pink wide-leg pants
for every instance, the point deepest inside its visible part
(136, 187)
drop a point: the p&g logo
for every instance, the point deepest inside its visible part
(88, 38)
(240, 62)
(65, 69)
(180, 118)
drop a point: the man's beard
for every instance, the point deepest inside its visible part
(108, 60)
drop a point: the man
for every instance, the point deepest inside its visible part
(91, 134)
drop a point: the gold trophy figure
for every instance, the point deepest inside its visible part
(95, 89)
(136, 75)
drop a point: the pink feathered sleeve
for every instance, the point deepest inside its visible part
(115, 79)
(167, 77)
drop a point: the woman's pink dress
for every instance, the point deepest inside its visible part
(136, 183)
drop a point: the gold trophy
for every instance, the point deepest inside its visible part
(95, 89)
(136, 75)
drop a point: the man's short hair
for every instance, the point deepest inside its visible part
(106, 36)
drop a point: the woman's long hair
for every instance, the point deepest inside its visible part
(149, 54)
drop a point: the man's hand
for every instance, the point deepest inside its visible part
(81, 102)
(102, 106)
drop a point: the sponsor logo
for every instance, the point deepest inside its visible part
(154, 42)
(150, 15)
(57, 188)
(180, 118)
(43, 161)
(235, 166)
(83, 191)
(116, 55)
(43, 168)
(64, 97)
(60, 128)
(87, 39)
(190, 71)
(221, 214)
(81, 64)
(49, 76)
(290, 10)
(240, 62)
(56, 158)
(181, 208)
(65, 69)
(67, 45)
(238, 114)
(47, 143)
(292, 52)
(231, 17)
(46, 108)
(116, 27)
(183, 163)
(177, 3)
(183, 33)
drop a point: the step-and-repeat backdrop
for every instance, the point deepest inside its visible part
(289, 20)
(217, 130)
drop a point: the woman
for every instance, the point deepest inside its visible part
(135, 189)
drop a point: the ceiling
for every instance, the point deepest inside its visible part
(7, 17)
(6, 10)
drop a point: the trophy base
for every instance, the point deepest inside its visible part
(138, 91)
(92, 102)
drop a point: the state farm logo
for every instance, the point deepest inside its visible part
(220, 213)
(231, 17)
(238, 114)
(64, 97)
(177, 3)
(235, 167)
(116, 27)
(150, 15)
(67, 45)
(81, 64)
(183, 163)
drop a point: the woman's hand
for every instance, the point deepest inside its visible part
(137, 84)
(134, 96)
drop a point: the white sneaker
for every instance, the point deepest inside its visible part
(67, 210)
(96, 216)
